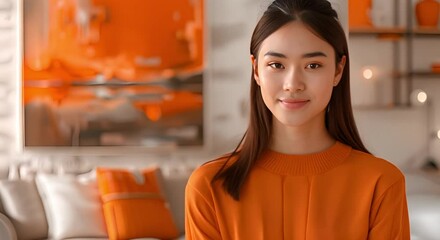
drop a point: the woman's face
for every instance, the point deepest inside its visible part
(296, 72)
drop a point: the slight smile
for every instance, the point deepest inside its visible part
(293, 103)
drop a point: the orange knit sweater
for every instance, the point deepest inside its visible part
(339, 194)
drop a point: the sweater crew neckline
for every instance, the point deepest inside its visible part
(307, 164)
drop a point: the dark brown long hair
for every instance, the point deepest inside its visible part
(322, 19)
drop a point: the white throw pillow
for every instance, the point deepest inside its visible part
(73, 208)
(22, 205)
(174, 188)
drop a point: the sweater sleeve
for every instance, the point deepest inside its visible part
(389, 214)
(200, 218)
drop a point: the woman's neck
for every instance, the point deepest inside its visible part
(311, 138)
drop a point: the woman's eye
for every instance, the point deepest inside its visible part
(276, 65)
(313, 65)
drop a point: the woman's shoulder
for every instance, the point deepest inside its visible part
(204, 174)
(375, 165)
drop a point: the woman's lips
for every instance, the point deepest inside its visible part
(293, 103)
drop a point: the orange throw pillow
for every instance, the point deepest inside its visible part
(134, 207)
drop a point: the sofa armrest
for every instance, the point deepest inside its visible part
(7, 230)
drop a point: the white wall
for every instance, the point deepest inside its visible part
(8, 83)
(397, 135)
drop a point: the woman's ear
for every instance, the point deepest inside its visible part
(255, 69)
(339, 71)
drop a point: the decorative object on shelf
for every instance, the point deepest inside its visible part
(359, 13)
(435, 67)
(427, 13)
(381, 14)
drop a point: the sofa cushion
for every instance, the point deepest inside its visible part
(134, 204)
(73, 208)
(174, 186)
(179, 238)
(24, 208)
(7, 229)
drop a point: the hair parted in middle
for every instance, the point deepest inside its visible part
(321, 19)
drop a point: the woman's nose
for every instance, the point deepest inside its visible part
(294, 81)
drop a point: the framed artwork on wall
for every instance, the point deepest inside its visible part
(113, 73)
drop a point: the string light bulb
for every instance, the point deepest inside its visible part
(422, 97)
(419, 97)
(367, 73)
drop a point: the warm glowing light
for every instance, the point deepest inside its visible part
(422, 97)
(419, 97)
(438, 134)
(367, 73)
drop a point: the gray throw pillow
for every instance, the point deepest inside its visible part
(23, 206)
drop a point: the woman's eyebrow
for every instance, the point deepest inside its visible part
(305, 55)
(275, 54)
(314, 54)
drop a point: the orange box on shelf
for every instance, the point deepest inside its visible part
(435, 67)
(359, 13)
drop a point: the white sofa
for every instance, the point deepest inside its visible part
(21, 204)
(72, 210)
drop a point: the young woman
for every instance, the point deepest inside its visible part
(301, 170)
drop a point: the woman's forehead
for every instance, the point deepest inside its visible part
(295, 38)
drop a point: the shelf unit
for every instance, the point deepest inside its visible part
(397, 35)
(425, 74)
(359, 31)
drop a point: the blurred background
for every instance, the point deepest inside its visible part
(86, 82)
